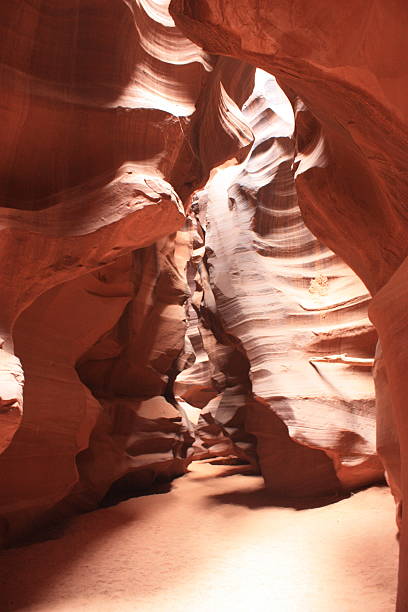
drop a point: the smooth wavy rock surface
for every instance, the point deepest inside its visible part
(355, 86)
(121, 316)
(109, 119)
(345, 62)
(389, 312)
(286, 300)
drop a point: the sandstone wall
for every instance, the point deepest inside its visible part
(109, 117)
(345, 61)
(121, 310)
(294, 313)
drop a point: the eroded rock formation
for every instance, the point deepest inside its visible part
(344, 61)
(282, 299)
(109, 120)
(155, 256)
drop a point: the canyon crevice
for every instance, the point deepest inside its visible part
(204, 247)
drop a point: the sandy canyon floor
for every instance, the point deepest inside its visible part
(215, 543)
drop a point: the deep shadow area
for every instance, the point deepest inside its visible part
(121, 491)
(263, 498)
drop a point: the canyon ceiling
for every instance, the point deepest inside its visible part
(196, 216)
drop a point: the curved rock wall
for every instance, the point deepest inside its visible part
(355, 87)
(114, 125)
(295, 313)
(108, 120)
(345, 62)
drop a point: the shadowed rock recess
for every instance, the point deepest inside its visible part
(199, 205)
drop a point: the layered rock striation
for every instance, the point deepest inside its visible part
(107, 115)
(346, 65)
(293, 311)
(165, 294)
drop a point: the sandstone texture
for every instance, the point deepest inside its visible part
(106, 115)
(345, 63)
(279, 305)
(190, 245)
(311, 560)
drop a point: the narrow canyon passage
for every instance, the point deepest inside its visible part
(204, 256)
(214, 542)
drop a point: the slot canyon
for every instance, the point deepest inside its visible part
(204, 305)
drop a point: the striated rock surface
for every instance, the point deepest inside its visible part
(388, 311)
(352, 145)
(285, 302)
(127, 317)
(77, 443)
(355, 90)
(109, 118)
